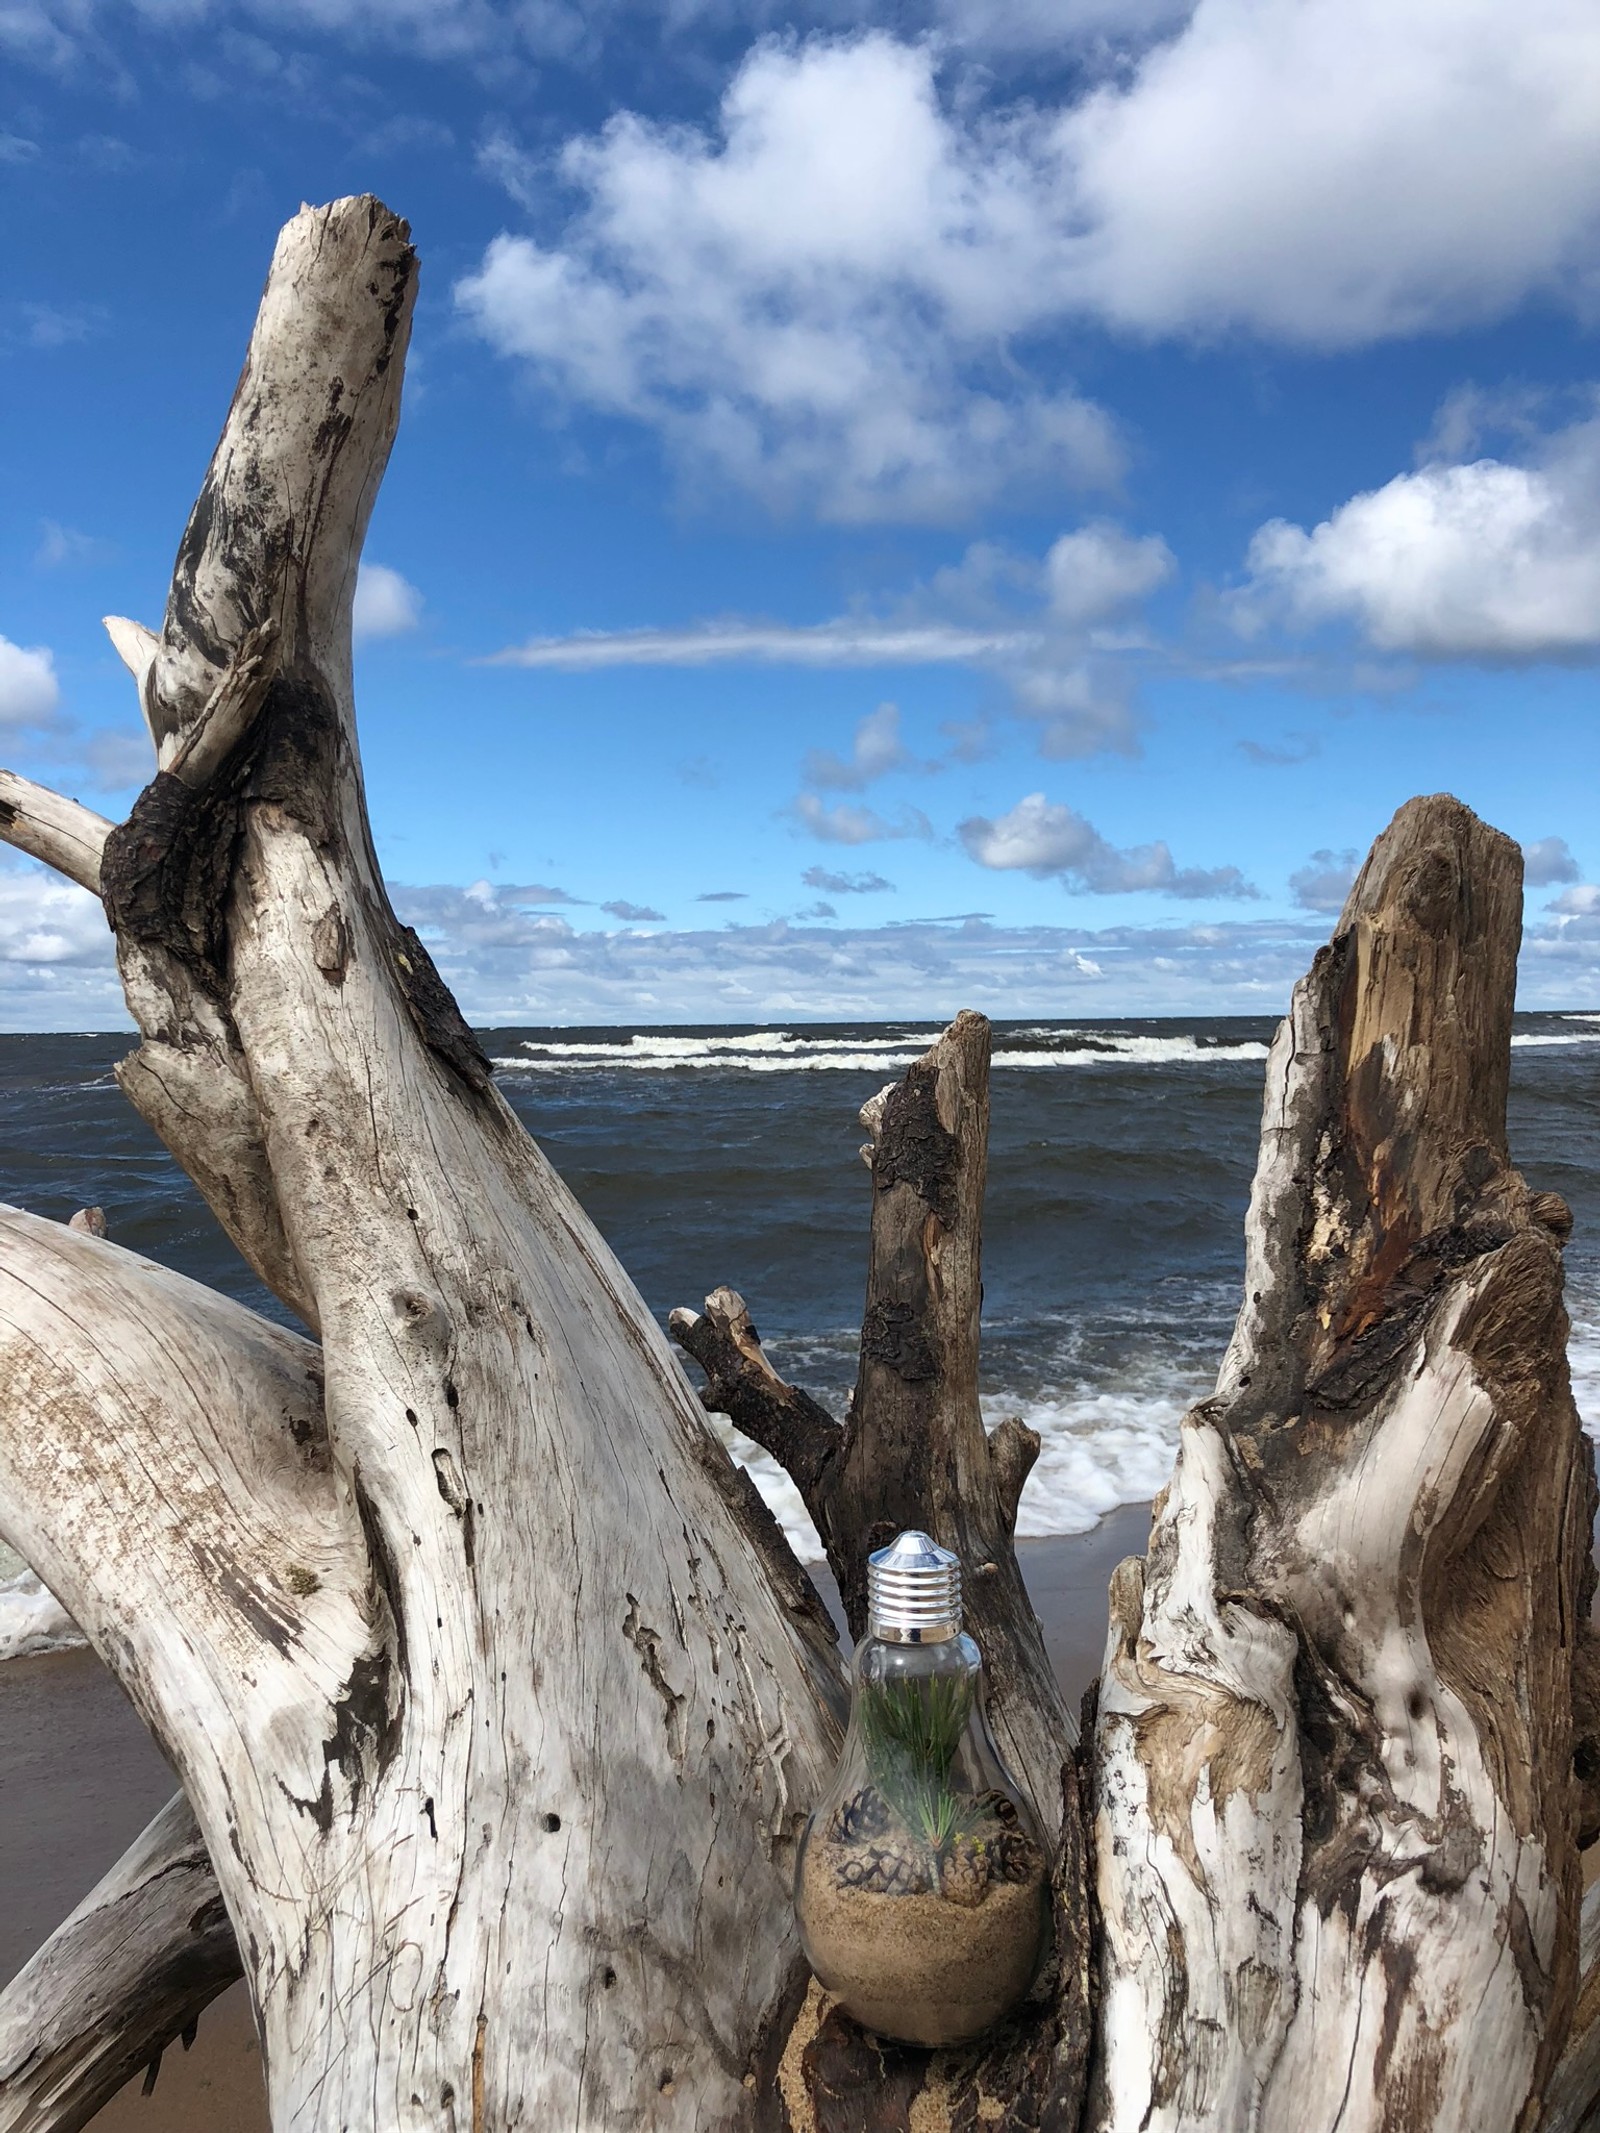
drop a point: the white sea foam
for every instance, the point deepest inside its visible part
(1099, 1450)
(1534, 1040)
(787, 1052)
(32, 1620)
(1097, 1049)
(857, 1062)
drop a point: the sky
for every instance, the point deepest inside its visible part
(968, 503)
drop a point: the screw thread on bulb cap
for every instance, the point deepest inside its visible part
(913, 1591)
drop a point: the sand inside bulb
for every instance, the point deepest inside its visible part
(921, 1968)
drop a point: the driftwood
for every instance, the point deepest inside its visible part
(497, 1694)
(1336, 1806)
(148, 1948)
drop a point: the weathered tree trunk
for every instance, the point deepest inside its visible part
(1336, 1809)
(498, 1695)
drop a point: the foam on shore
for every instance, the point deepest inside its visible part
(32, 1619)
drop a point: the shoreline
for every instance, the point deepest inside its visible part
(80, 1778)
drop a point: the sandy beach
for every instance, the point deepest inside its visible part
(79, 1778)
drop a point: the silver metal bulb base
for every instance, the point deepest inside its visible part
(913, 1592)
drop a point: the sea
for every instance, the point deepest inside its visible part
(1120, 1163)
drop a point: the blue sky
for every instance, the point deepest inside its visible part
(992, 502)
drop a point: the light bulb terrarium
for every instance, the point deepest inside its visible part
(921, 1891)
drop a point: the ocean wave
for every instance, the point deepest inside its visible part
(860, 1062)
(1533, 1040)
(776, 1052)
(33, 1620)
(1113, 1049)
(1098, 1450)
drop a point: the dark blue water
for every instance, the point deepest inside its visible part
(1120, 1164)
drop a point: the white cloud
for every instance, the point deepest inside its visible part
(1036, 625)
(1481, 560)
(876, 750)
(1100, 571)
(832, 884)
(512, 966)
(57, 966)
(844, 642)
(1323, 883)
(1051, 842)
(1335, 171)
(821, 299)
(1547, 860)
(29, 691)
(848, 823)
(1580, 901)
(386, 605)
(809, 304)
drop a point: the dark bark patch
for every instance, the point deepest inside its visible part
(896, 1335)
(164, 873)
(914, 1147)
(264, 1610)
(440, 1023)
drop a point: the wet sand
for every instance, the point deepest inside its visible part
(79, 1778)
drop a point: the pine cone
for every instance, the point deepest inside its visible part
(901, 1869)
(1015, 1857)
(964, 1876)
(1001, 1807)
(864, 1815)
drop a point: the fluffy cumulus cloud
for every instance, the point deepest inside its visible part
(1099, 572)
(823, 296)
(806, 302)
(386, 605)
(30, 694)
(1052, 842)
(1473, 559)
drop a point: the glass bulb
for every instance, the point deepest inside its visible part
(921, 1887)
